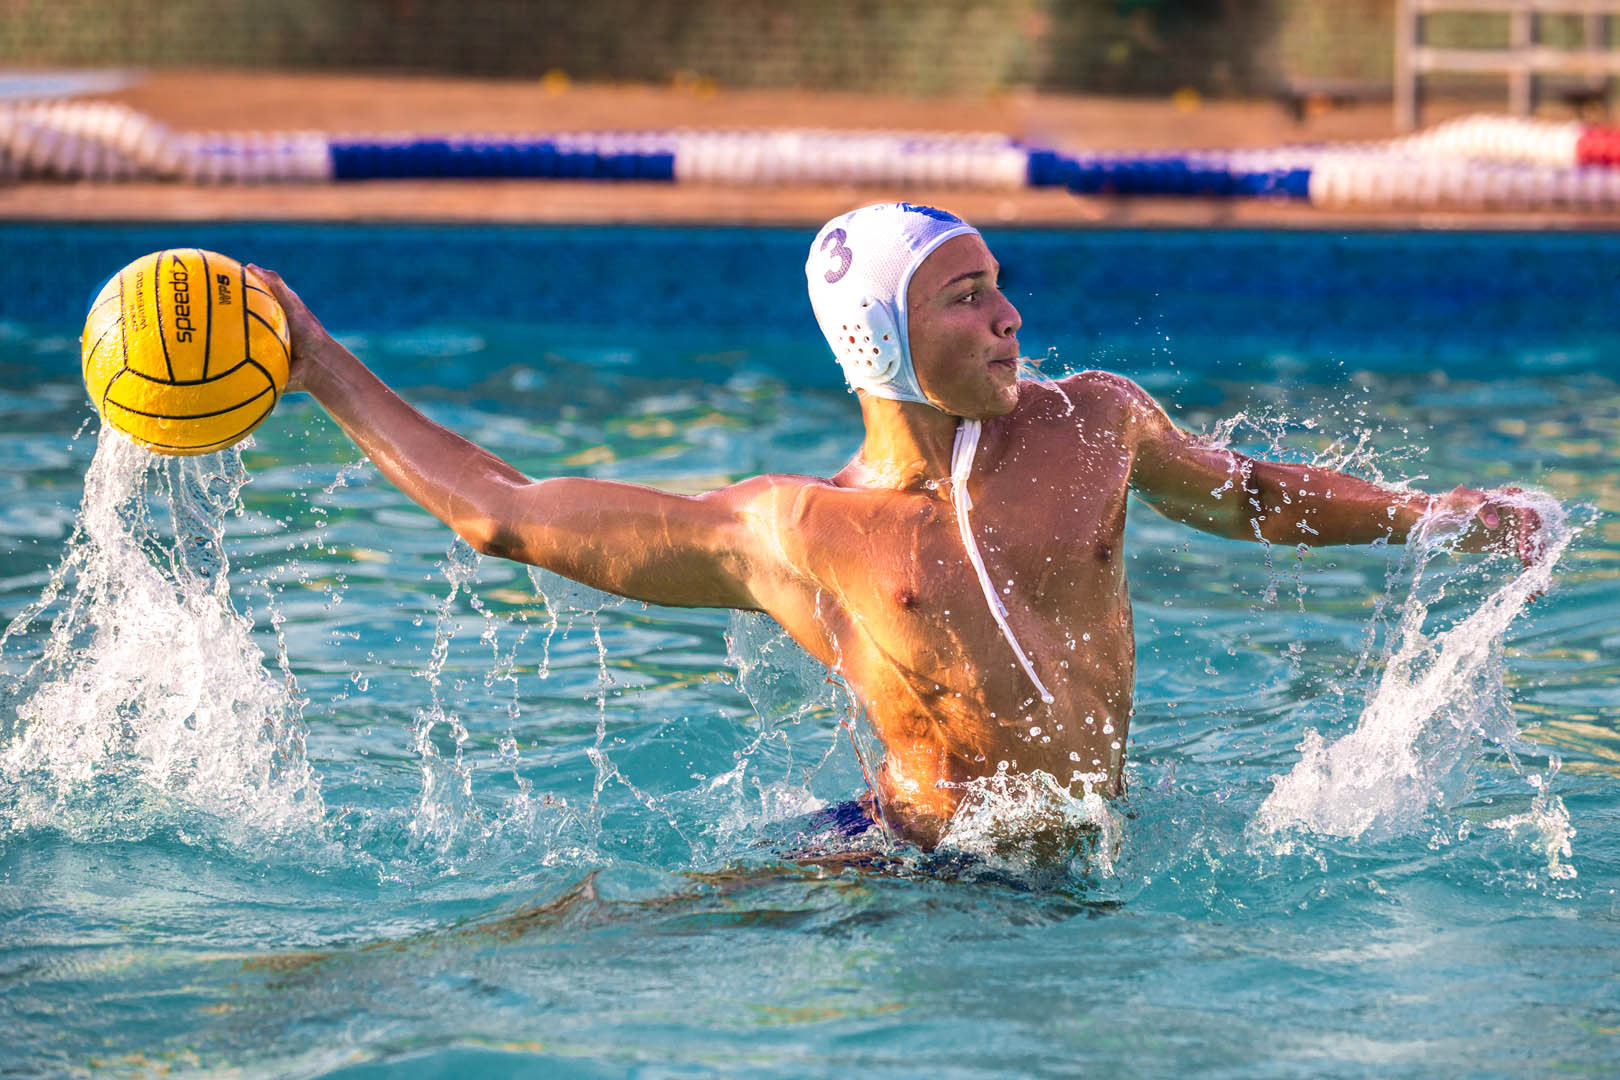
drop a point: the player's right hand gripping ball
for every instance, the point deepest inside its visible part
(185, 351)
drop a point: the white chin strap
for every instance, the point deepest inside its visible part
(967, 443)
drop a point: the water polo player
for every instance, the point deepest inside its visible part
(964, 573)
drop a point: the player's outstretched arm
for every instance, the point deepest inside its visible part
(634, 541)
(1188, 479)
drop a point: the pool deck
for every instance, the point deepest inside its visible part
(238, 101)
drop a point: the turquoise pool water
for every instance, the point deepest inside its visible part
(315, 792)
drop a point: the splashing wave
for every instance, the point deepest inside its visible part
(150, 704)
(1439, 702)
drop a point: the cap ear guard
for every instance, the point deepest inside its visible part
(868, 345)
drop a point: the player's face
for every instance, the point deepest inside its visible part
(963, 331)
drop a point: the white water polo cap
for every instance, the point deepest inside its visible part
(858, 270)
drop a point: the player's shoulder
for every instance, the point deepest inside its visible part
(1106, 398)
(768, 492)
(1103, 387)
(791, 500)
(783, 513)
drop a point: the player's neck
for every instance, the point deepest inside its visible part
(908, 445)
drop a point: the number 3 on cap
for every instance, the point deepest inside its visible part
(835, 240)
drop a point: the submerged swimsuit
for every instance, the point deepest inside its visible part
(846, 819)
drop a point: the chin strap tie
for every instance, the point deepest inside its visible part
(967, 443)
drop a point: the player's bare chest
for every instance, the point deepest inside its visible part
(1039, 535)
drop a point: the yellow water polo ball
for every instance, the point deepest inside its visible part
(185, 351)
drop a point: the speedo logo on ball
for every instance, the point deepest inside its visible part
(182, 301)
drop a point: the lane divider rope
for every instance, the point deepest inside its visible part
(1475, 162)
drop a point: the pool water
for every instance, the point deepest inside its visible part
(293, 785)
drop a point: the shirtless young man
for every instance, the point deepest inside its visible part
(873, 570)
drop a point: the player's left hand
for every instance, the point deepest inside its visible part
(1498, 522)
(309, 337)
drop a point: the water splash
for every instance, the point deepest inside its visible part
(1034, 371)
(1439, 702)
(445, 813)
(1027, 825)
(782, 682)
(149, 702)
(456, 821)
(803, 712)
(566, 601)
(787, 686)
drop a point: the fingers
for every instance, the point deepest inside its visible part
(272, 280)
(306, 331)
(1502, 524)
(1531, 543)
(1531, 540)
(269, 277)
(303, 321)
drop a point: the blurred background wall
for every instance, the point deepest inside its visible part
(1221, 48)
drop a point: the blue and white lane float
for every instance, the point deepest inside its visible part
(1477, 162)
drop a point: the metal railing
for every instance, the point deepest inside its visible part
(1524, 61)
